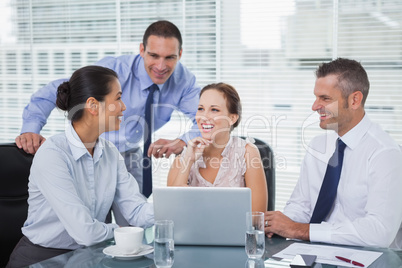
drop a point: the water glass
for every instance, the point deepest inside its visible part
(255, 236)
(163, 244)
(255, 263)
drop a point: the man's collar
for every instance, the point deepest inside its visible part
(355, 135)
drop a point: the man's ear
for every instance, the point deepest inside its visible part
(180, 52)
(92, 105)
(355, 99)
(142, 49)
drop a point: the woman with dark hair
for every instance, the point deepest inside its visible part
(77, 175)
(216, 159)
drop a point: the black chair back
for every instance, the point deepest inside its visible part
(267, 157)
(14, 172)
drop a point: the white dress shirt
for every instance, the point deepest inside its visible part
(71, 192)
(368, 207)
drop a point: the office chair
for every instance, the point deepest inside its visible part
(267, 157)
(14, 173)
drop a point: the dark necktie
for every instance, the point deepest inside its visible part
(147, 161)
(329, 185)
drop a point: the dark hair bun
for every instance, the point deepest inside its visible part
(63, 96)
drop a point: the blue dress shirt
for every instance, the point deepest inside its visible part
(180, 92)
(71, 192)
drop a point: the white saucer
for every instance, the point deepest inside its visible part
(115, 252)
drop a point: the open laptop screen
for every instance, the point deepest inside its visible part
(204, 215)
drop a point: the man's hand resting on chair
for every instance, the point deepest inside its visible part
(29, 142)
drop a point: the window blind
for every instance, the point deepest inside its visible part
(268, 50)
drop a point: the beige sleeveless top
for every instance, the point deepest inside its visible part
(232, 169)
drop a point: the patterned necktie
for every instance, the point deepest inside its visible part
(329, 185)
(147, 161)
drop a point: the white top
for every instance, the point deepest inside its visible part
(368, 207)
(232, 169)
(71, 192)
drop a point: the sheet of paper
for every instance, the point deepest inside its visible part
(277, 263)
(326, 254)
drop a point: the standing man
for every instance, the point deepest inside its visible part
(154, 83)
(351, 193)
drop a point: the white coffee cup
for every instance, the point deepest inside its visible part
(128, 239)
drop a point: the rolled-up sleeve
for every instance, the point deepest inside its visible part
(188, 105)
(42, 103)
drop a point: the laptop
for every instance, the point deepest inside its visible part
(204, 215)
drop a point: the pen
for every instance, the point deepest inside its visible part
(350, 261)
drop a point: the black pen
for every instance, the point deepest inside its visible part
(350, 261)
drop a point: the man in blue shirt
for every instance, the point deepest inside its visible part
(158, 63)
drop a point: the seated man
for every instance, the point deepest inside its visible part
(350, 180)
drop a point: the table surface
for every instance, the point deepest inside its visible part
(197, 256)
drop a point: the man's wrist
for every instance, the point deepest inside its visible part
(180, 146)
(181, 142)
(301, 231)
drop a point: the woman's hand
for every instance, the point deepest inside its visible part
(180, 169)
(195, 149)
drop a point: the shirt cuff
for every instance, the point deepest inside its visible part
(193, 133)
(185, 137)
(320, 232)
(150, 217)
(31, 127)
(145, 217)
(111, 227)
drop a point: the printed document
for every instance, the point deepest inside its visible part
(326, 254)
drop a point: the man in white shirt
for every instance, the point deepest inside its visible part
(367, 206)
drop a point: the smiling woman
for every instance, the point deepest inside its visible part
(93, 103)
(269, 49)
(77, 175)
(216, 159)
(94, 100)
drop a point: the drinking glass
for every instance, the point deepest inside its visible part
(163, 244)
(255, 236)
(255, 263)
